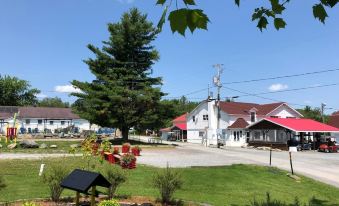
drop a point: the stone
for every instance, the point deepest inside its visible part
(28, 143)
(73, 146)
(12, 146)
(53, 146)
(43, 146)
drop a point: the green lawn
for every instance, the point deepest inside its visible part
(63, 147)
(226, 185)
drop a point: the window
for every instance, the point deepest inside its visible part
(39, 121)
(28, 121)
(201, 134)
(274, 116)
(193, 118)
(238, 135)
(62, 122)
(291, 117)
(257, 135)
(205, 117)
(247, 134)
(252, 116)
(235, 135)
(51, 122)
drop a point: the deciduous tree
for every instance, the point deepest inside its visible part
(185, 17)
(16, 92)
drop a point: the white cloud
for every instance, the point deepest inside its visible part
(41, 95)
(277, 87)
(66, 89)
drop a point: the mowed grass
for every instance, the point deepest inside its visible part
(225, 185)
(62, 147)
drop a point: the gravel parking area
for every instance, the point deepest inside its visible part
(320, 166)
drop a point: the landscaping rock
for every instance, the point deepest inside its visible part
(27, 143)
(12, 146)
(73, 146)
(53, 146)
(43, 146)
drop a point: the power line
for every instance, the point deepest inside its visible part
(282, 77)
(296, 89)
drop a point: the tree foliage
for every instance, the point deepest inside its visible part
(194, 18)
(123, 94)
(16, 92)
(53, 102)
(313, 113)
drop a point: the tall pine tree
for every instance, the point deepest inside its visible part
(123, 95)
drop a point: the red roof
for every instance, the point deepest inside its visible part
(180, 119)
(244, 108)
(181, 126)
(301, 125)
(240, 123)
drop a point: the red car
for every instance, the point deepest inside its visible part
(326, 148)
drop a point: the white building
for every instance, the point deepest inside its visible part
(40, 118)
(202, 122)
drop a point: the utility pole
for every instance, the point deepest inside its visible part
(323, 105)
(217, 83)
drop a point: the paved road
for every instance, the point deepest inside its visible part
(320, 166)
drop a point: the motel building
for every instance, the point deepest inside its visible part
(242, 124)
(38, 119)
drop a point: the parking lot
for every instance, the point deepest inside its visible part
(320, 166)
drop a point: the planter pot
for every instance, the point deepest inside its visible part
(131, 165)
(135, 152)
(125, 149)
(116, 150)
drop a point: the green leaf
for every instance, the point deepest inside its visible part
(162, 2)
(189, 2)
(330, 3)
(178, 21)
(162, 19)
(197, 19)
(320, 12)
(277, 7)
(237, 2)
(279, 23)
(262, 23)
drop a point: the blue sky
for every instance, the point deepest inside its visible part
(44, 42)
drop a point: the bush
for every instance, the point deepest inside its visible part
(127, 159)
(2, 183)
(53, 177)
(109, 203)
(167, 182)
(116, 176)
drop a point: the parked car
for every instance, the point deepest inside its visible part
(327, 148)
(304, 146)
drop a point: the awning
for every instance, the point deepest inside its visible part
(181, 126)
(296, 125)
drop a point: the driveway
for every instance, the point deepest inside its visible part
(320, 166)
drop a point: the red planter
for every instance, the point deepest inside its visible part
(131, 165)
(125, 148)
(116, 150)
(135, 151)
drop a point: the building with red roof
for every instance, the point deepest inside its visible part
(204, 126)
(334, 121)
(178, 130)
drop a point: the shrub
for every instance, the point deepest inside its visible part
(105, 146)
(167, 182)
(2, 183)
(126, 144)
(137, 147)
(109, 203)
(53, 177)
(116, 176)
